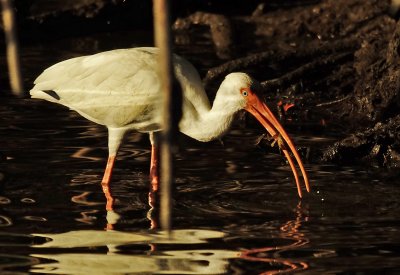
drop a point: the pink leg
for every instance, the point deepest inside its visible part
(154, 176)
(106, 183)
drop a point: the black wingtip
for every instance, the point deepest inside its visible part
(53, 94)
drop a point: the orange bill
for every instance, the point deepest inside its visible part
(263, 114)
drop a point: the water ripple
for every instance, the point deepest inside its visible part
(4, 200)
(5, 221)
(35, 218)
(8, 261)
(28, 200)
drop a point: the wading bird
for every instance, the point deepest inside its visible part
(121, 90)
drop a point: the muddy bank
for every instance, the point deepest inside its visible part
(337, 61)
(378, 145)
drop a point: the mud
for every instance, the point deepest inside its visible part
(344, 56)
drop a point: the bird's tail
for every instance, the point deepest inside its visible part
(48, 95)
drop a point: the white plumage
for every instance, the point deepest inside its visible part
(121, 90)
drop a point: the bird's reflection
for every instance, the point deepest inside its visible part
(87, 216)
(125, 252)
(83, 153)
(83, 197)
(289, 230)
(116, 261)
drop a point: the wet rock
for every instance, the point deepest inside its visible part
(379, 145)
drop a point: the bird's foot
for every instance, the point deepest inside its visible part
(277, 139)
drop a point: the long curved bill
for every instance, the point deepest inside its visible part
(259, 109)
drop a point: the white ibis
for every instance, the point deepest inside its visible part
(121, 90)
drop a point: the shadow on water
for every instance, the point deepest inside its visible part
(235, 207)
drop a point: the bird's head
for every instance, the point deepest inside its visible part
(234, 90)
(240, 92)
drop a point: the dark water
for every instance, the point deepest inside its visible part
(236, 209)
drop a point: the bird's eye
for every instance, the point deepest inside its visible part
(244, 92)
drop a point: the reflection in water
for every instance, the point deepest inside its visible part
(5, 221)
(35, 218)
(4, 200)
(83, 199)
(169, 262)
(91, 238)
(290, 231)
(8, 262)
(156, 258)
(200, 261)
(82, 153)
(86, 197)
(126, 254)
(112, 218)
(87, 216)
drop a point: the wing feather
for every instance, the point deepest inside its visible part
(115, 88)
(119, 88)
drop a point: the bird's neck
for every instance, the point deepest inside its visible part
(207, 123)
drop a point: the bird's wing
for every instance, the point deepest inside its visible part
(115, 88)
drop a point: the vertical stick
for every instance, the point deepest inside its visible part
(13, 60)
(163, 42)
